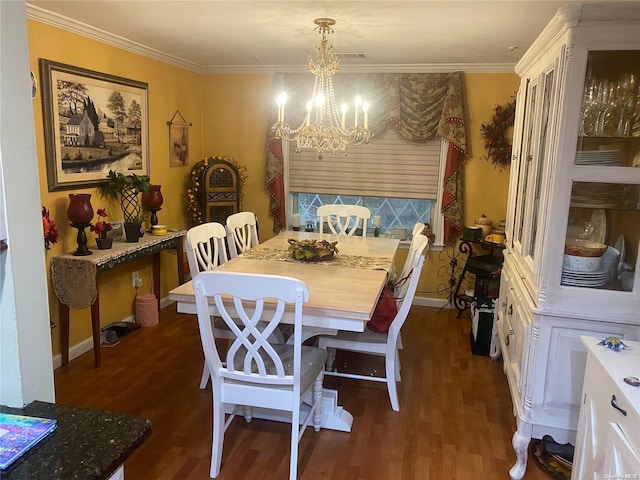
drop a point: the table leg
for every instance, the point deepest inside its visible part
(95, 327)
(63, 311)
(334, 417)
(180, 259)
(156, 277)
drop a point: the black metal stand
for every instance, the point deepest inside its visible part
(486, 268)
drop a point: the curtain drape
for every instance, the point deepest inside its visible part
(419, 107)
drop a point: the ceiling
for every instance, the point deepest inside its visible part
(259, 36)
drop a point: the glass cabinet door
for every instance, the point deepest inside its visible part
(534, 145)
(540, 160)
(603, 230)
(526, 158)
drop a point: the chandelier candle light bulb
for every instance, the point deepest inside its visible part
(282, 99)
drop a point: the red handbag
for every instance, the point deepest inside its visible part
(387, 308)
(385, 312)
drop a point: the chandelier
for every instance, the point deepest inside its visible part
(325, 127)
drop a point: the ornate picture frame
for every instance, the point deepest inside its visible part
(93, 122)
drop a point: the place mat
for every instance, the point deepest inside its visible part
(547, 462)
(351, 261)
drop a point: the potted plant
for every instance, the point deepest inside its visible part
(127, 188)
(100, 228)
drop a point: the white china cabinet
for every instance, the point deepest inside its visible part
(575, 174)
(608, 443)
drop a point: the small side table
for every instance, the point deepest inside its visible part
(486, 268)
(75, 279)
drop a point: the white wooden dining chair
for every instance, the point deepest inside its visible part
(381, 344)
(343, 219)
(418, 228)
(206, 247)
(242, 232)
(258, 373)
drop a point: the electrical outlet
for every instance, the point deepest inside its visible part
(135, 279)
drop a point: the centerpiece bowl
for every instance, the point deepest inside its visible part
(312, 250)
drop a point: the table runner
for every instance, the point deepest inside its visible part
(339, 260)
(74, 278)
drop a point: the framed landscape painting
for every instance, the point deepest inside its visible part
(93, 122)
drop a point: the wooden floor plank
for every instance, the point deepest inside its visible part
(455, 421)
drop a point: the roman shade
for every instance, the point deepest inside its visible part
(386, 167)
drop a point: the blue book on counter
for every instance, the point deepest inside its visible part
(19, 433)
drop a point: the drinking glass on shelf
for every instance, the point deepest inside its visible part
(605, 106)
(627, 111)
(628, 84)
(590, 108)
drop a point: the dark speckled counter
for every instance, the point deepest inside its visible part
(87, 445)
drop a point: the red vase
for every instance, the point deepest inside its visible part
(80, 213)
(152, 200)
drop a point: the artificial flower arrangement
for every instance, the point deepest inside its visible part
(496, 134)
(101, 227)
(49, 228)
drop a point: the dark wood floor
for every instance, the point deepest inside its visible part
(455, 421)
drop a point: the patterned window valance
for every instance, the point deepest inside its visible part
(418, 106)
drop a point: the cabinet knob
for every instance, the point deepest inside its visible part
(615, 405)
(510, 310)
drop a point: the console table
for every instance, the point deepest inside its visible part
(75, 279)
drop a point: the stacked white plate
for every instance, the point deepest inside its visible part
(585, 279)
(597, 157)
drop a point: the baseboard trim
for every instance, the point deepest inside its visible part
(87, 344)
(431, 302)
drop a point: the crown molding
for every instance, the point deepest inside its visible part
(382, 68)
(60, 21)
(88, 31)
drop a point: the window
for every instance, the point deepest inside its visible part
(394, 212)
(400, 182)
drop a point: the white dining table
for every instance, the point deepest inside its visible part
(343, 292)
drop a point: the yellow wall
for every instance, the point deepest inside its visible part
(236, 109)
(170, 88)
(486, 186)
(229, 115)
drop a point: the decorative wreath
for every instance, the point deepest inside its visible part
(495, 134)
(193, 189)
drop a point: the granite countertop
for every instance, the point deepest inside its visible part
(87, 445)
